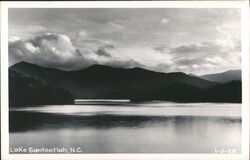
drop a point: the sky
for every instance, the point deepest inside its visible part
(191, 40)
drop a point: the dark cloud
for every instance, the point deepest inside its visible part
(102, 52)
(110, 46)
(160, 48)
(105, 50)
(205, 47)
(163, 67)
(189, 61)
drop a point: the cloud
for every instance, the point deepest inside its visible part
(82, 35)
(13, 39)
(228, 34)
(165, 21)
(196, 40)
(161, 48)
(125, 64)
(107, 50)
(52, 42)
(50, 50)
(115, 25)
(57, 51)
(185, 61)
(103, 52)
(201, 48)
(26, 30)
(206, 57)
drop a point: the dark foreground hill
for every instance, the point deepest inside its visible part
(25, 89)
(32, 84)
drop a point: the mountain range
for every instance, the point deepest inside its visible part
(224, 76)
(30, 84)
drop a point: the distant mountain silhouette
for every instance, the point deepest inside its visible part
(231, 75)
(54, 86)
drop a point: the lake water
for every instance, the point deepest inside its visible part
(153, 127)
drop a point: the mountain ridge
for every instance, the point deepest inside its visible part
(100, 81)
(101, 69)
(223, 77)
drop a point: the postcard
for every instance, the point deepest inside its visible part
(127, 80)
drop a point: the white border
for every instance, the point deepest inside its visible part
(243, 5)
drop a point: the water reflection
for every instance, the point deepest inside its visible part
(106, 132)
(22, 121)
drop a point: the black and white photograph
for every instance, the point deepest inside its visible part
(125, 80)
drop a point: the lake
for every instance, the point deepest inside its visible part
(152, 127)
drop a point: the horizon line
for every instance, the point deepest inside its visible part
(96, 64)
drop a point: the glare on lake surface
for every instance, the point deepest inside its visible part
(153, 127)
